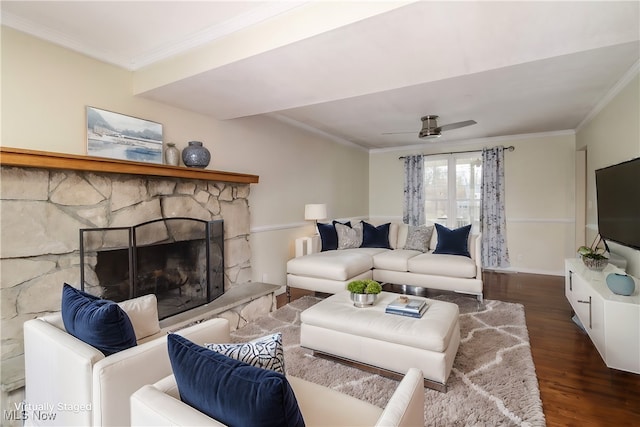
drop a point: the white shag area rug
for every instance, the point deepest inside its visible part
(493, 381)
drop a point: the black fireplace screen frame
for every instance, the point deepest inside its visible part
(136, 239)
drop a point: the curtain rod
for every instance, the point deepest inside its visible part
(510, 148)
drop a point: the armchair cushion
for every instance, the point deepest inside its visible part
(264, 352)
(98, 322)
(231, 391)
(143, 314)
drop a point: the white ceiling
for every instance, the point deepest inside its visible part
(358, 70)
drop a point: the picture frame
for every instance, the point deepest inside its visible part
(118, 136)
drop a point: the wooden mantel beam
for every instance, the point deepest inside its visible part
(48, 160)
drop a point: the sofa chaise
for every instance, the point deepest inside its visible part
(329, 271)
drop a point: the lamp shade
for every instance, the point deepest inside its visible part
(315, 211)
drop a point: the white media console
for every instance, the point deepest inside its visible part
(612, 321)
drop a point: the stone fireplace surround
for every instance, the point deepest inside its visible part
(43, 208)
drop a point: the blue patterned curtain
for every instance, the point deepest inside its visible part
(492, 216)
(413, 209)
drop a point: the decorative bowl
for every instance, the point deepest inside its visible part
(363, 300)
(621, 284)
(595, 264)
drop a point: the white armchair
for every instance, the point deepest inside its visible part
(160, 405)
(75, 384)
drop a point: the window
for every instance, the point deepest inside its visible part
(452, 189)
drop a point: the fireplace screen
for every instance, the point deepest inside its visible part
(180, 260)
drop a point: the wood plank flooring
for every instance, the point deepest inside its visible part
(576, 387)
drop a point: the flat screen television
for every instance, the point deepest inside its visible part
(618, 195)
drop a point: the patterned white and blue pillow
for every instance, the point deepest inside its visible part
(418, 238)
(265, 352)
(349, 237)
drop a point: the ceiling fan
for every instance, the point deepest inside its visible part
(430, 128)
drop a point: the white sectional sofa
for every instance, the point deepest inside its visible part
(329, 271)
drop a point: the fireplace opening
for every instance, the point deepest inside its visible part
(180, 260)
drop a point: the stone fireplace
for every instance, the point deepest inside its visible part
(43, 209)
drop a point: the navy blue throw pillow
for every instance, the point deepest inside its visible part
(375, 237)
(98, 322)
(230, 391)
(453, 242)
(329, 236)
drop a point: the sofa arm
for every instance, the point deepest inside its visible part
(152, 407)
(216, 330)
(58, 370)
(307, 245)
(478, 255)
(118, 376)
(316, 244)
(406, 406)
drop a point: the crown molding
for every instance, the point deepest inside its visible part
(311, 129)
(199, 38)
(240, 22)
(59, 38)
(608, 97)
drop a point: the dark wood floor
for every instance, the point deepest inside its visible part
(576, 387)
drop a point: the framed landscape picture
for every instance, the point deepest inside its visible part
(117, 136)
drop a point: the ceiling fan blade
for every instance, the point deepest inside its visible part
(457, 125)
(397, 133)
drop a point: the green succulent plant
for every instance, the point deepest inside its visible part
(367, 286)
(587, 252)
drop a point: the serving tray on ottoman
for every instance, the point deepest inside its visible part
(388, 344)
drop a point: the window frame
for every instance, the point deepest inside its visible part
(451, 221)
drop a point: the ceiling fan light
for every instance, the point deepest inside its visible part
(430, 135)
(429, 127)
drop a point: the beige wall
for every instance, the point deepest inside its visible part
(540, 191)
(45, 89)
(611, 137)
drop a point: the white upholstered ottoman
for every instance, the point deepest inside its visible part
(389, 343)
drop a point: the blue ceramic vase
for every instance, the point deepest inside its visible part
(621, 284)
(195, 155)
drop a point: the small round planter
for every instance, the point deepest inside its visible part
(363, 300)
(595, 264)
